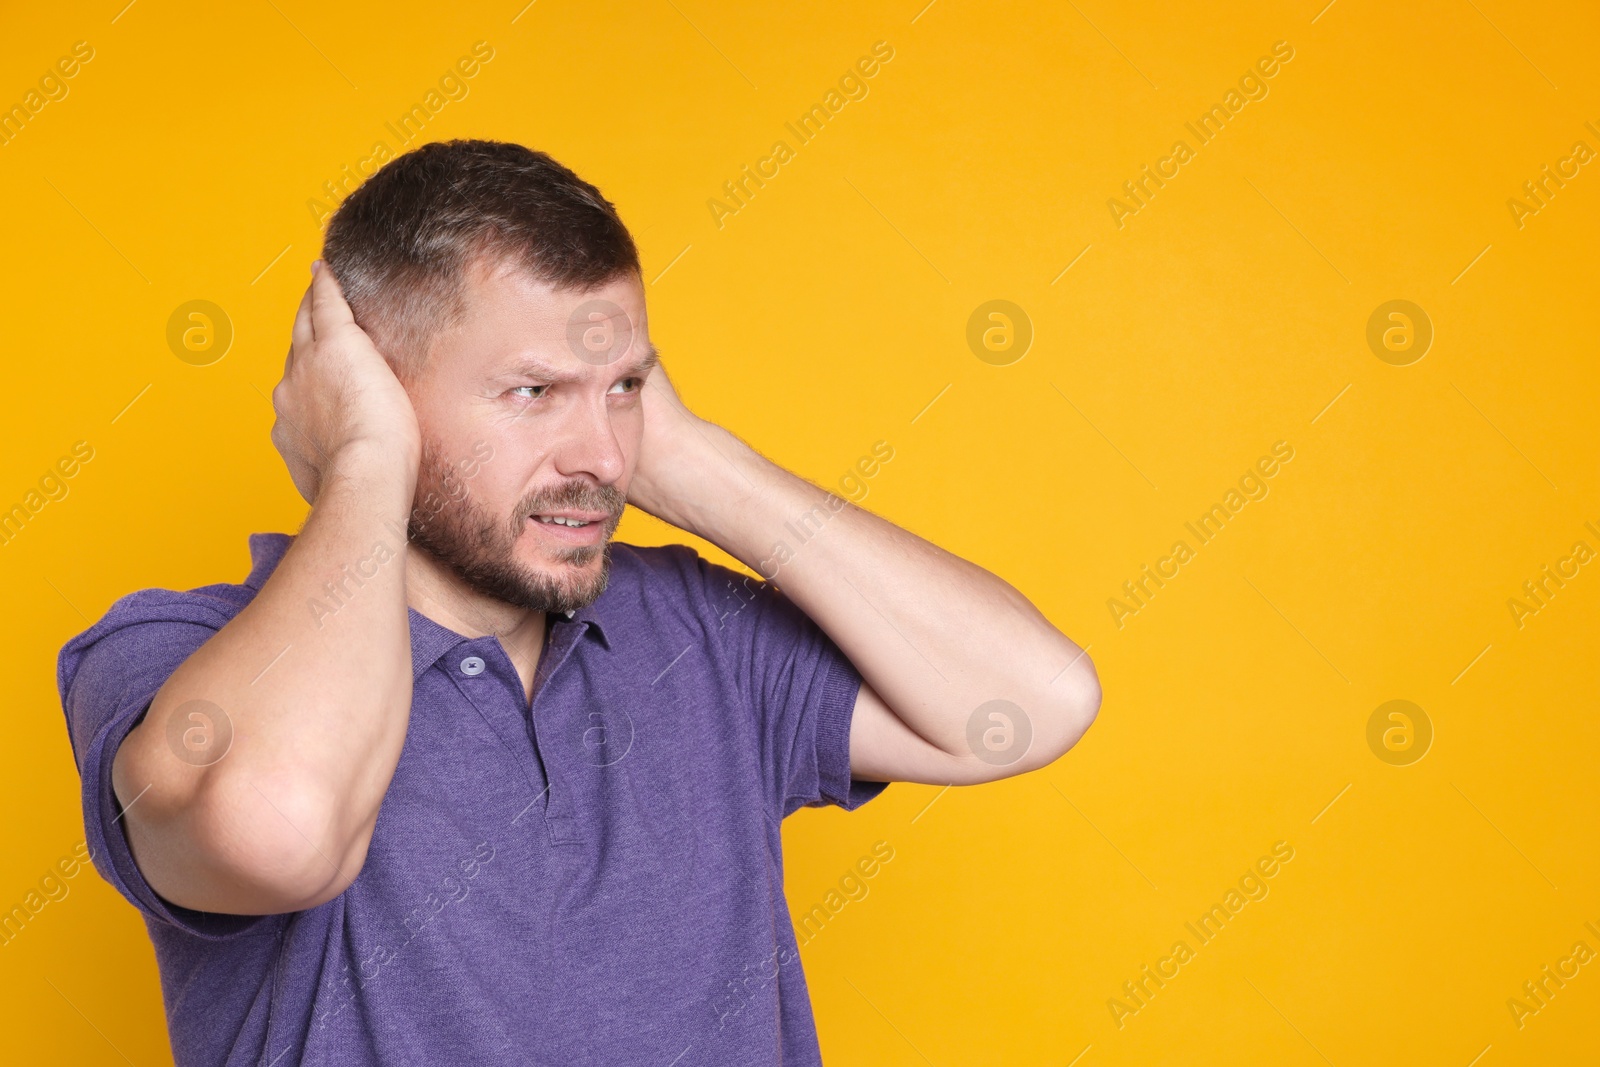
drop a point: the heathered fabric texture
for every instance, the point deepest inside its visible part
(595, 880)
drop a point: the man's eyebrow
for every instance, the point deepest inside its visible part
(648, 362)
(533, 367)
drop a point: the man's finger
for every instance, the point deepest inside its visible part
(328, 307)
(302, 334)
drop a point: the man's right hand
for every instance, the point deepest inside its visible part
(337, 391)
(319, 699)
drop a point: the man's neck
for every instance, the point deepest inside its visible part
(433, 590)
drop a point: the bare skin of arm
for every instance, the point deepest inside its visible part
(282, 821)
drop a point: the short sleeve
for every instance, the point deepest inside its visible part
(801, 687)
(107, 676)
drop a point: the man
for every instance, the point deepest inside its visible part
(452, 778)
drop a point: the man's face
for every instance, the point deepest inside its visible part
(530, 410)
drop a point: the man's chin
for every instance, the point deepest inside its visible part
(534, 580)
(567, 579)
(559, 561)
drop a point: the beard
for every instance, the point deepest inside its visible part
(480, 546)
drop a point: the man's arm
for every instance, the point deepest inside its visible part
(934, 637)
(318, 708)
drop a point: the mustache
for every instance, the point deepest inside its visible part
(576, 495)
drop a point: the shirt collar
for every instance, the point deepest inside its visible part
(430, 640)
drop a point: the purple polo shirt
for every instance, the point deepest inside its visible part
(597, 879)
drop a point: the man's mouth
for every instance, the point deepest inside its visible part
(572, 527)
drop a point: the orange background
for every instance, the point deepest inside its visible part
(1228, 313)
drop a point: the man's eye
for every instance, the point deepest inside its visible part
(633, 385)
(530, 392)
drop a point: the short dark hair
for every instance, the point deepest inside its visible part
(401, 244)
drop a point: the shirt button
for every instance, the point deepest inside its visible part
(472, 666)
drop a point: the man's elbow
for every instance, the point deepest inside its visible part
(1087, 695)
(234, 850)
(283, 853)
(1019, 737)
(1076, 711)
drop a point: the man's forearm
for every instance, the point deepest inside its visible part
(934, 635)
(313, 680)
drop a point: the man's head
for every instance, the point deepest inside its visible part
(506, 293)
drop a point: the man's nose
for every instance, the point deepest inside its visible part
(590, 446)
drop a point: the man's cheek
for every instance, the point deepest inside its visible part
(630, 438)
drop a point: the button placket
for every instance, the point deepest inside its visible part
(560, 813)
(492, 697)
